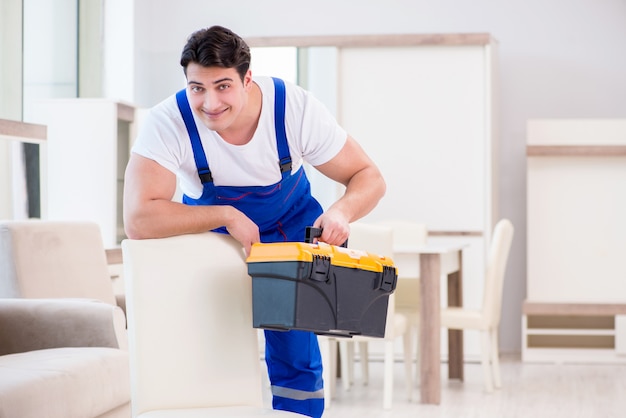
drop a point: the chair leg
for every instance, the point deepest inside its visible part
(388, 375)
(332, 371)
(346, 351)
(328, 349)
(415, 338)
(408, 363)
(486, 359)
(495, 358)
(365, 361)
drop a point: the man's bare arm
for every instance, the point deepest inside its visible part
(365, 186)
(149, 211)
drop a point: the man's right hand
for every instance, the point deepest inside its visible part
(243, 230)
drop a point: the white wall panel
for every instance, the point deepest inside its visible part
(424, 125)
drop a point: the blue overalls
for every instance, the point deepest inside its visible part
(281, 211)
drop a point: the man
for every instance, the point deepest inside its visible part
(237, 146)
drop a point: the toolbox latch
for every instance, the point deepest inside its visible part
(388, 280)
(320, 267)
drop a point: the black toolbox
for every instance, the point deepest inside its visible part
(323, 288)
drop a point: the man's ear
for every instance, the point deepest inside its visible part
(247, 80)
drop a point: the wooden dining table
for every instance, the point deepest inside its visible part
(437, 261)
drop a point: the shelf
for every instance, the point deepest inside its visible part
(576, 150)
(113, 255)
(573, 332)
(22, 131)
(585, 332)
(584, 309)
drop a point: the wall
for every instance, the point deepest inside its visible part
(557, 60)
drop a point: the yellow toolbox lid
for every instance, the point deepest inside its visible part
(301, 251)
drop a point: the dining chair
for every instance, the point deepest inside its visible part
(486, 319)
(407, 237)
(376, 239)
(193, 350)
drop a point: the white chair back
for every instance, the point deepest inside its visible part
(373, 238)
(500, 246)
(191, 340)
(377, 240)
(407, 235)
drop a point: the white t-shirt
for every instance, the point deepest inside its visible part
(312, 132)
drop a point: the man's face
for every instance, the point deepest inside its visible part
(216, 94)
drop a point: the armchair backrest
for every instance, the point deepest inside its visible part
(53, 259)
(189, 308)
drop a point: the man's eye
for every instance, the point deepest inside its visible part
(196, 89)
(223, 86)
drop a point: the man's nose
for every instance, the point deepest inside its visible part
(211, 100)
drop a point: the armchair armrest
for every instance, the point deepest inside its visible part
(34, 324)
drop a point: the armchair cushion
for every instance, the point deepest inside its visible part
(61, 358)
(71, 382)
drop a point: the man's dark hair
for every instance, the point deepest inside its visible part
(217, 47)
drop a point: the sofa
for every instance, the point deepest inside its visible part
(63, 358)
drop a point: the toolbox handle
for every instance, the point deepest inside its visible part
(312, 233)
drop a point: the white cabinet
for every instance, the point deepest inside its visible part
(576, 237)
(424, 113)
(83, 161)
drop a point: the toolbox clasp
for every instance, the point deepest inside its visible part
(388, 279)
(320, 267)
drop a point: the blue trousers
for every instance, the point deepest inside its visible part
(294, 366)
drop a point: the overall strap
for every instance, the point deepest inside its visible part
(196, 145)
(279, 124)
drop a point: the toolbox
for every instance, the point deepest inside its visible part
(327, 289)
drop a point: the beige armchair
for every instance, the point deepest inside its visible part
(58, 357)
(63, 358)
